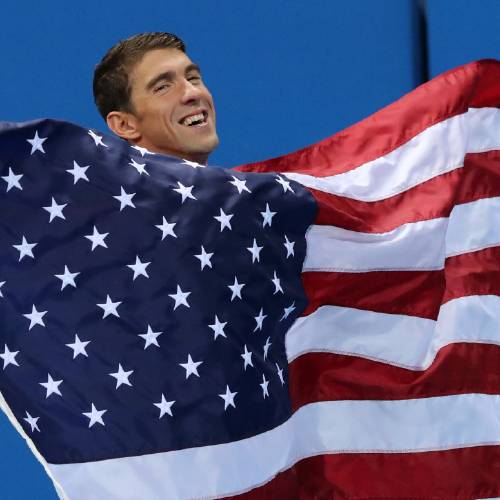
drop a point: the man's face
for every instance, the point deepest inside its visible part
(174, 110)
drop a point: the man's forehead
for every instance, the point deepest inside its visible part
(158, 61)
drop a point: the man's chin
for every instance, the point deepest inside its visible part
(204, 147)
(214, 143)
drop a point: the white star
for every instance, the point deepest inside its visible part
(140, 167)
(284, 184)
(204, 258)
(139, 268)
(240, 185)
(265, 383)
(143, 151)
(150, 337)
(166, 228)
(32, 421)
(267, 216)
(247, 357)
(52, 386)
(25, 248)
(35, 317)
(236, 289)
(267, 345)
(192, 164)
(288, 310)
(12, 180)
(277, 284)
(79, 347)
(125, 199)
(218, 328)
(184, 191)
(280, 374)
(191, 367)
(121, 376)
(97, 138)
(180, 297)
(9, 357)
(36, 143)
(78, 172)
(95, 416)
(164, 406)
(97, 239)
(55, 210)
(224, 219)
(259, 320)
(228, 398)
(2, 283)
(255, 251)
(67, 278)
(289, 247)
(109, 307)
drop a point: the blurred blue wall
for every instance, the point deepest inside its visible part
(461, 31)
(284, 74)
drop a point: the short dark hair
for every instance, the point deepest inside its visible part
(111, 76)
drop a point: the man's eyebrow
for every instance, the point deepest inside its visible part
(192, 67)
(169, 76)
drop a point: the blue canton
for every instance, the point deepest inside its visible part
(144, 300)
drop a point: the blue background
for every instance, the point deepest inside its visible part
(284, 74)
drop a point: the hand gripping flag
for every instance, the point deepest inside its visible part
(321, 325)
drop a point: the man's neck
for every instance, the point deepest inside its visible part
(201, 158)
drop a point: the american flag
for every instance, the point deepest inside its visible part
(321, 325)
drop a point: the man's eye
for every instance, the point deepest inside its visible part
(160, 87)
(194, 78)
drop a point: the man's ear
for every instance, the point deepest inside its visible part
(124, 125)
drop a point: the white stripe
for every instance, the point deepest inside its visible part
(400, 340)
(473, 226)
(418, 245)
(320, 428)
(438, 149)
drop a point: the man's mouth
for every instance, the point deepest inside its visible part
(197, 120)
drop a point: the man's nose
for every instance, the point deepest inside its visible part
(190, 92)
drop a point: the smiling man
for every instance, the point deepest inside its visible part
(151, 94)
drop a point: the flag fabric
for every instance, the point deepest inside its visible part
(145, 301)
(396, 357)
(321, 325)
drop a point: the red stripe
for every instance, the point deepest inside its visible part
(467, 473)
(458, 369)
(414, 293)
(479, 178)
(473, 273)
(473, 85)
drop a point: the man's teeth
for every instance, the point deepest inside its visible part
(193, 119)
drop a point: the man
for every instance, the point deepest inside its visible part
(151, 94)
